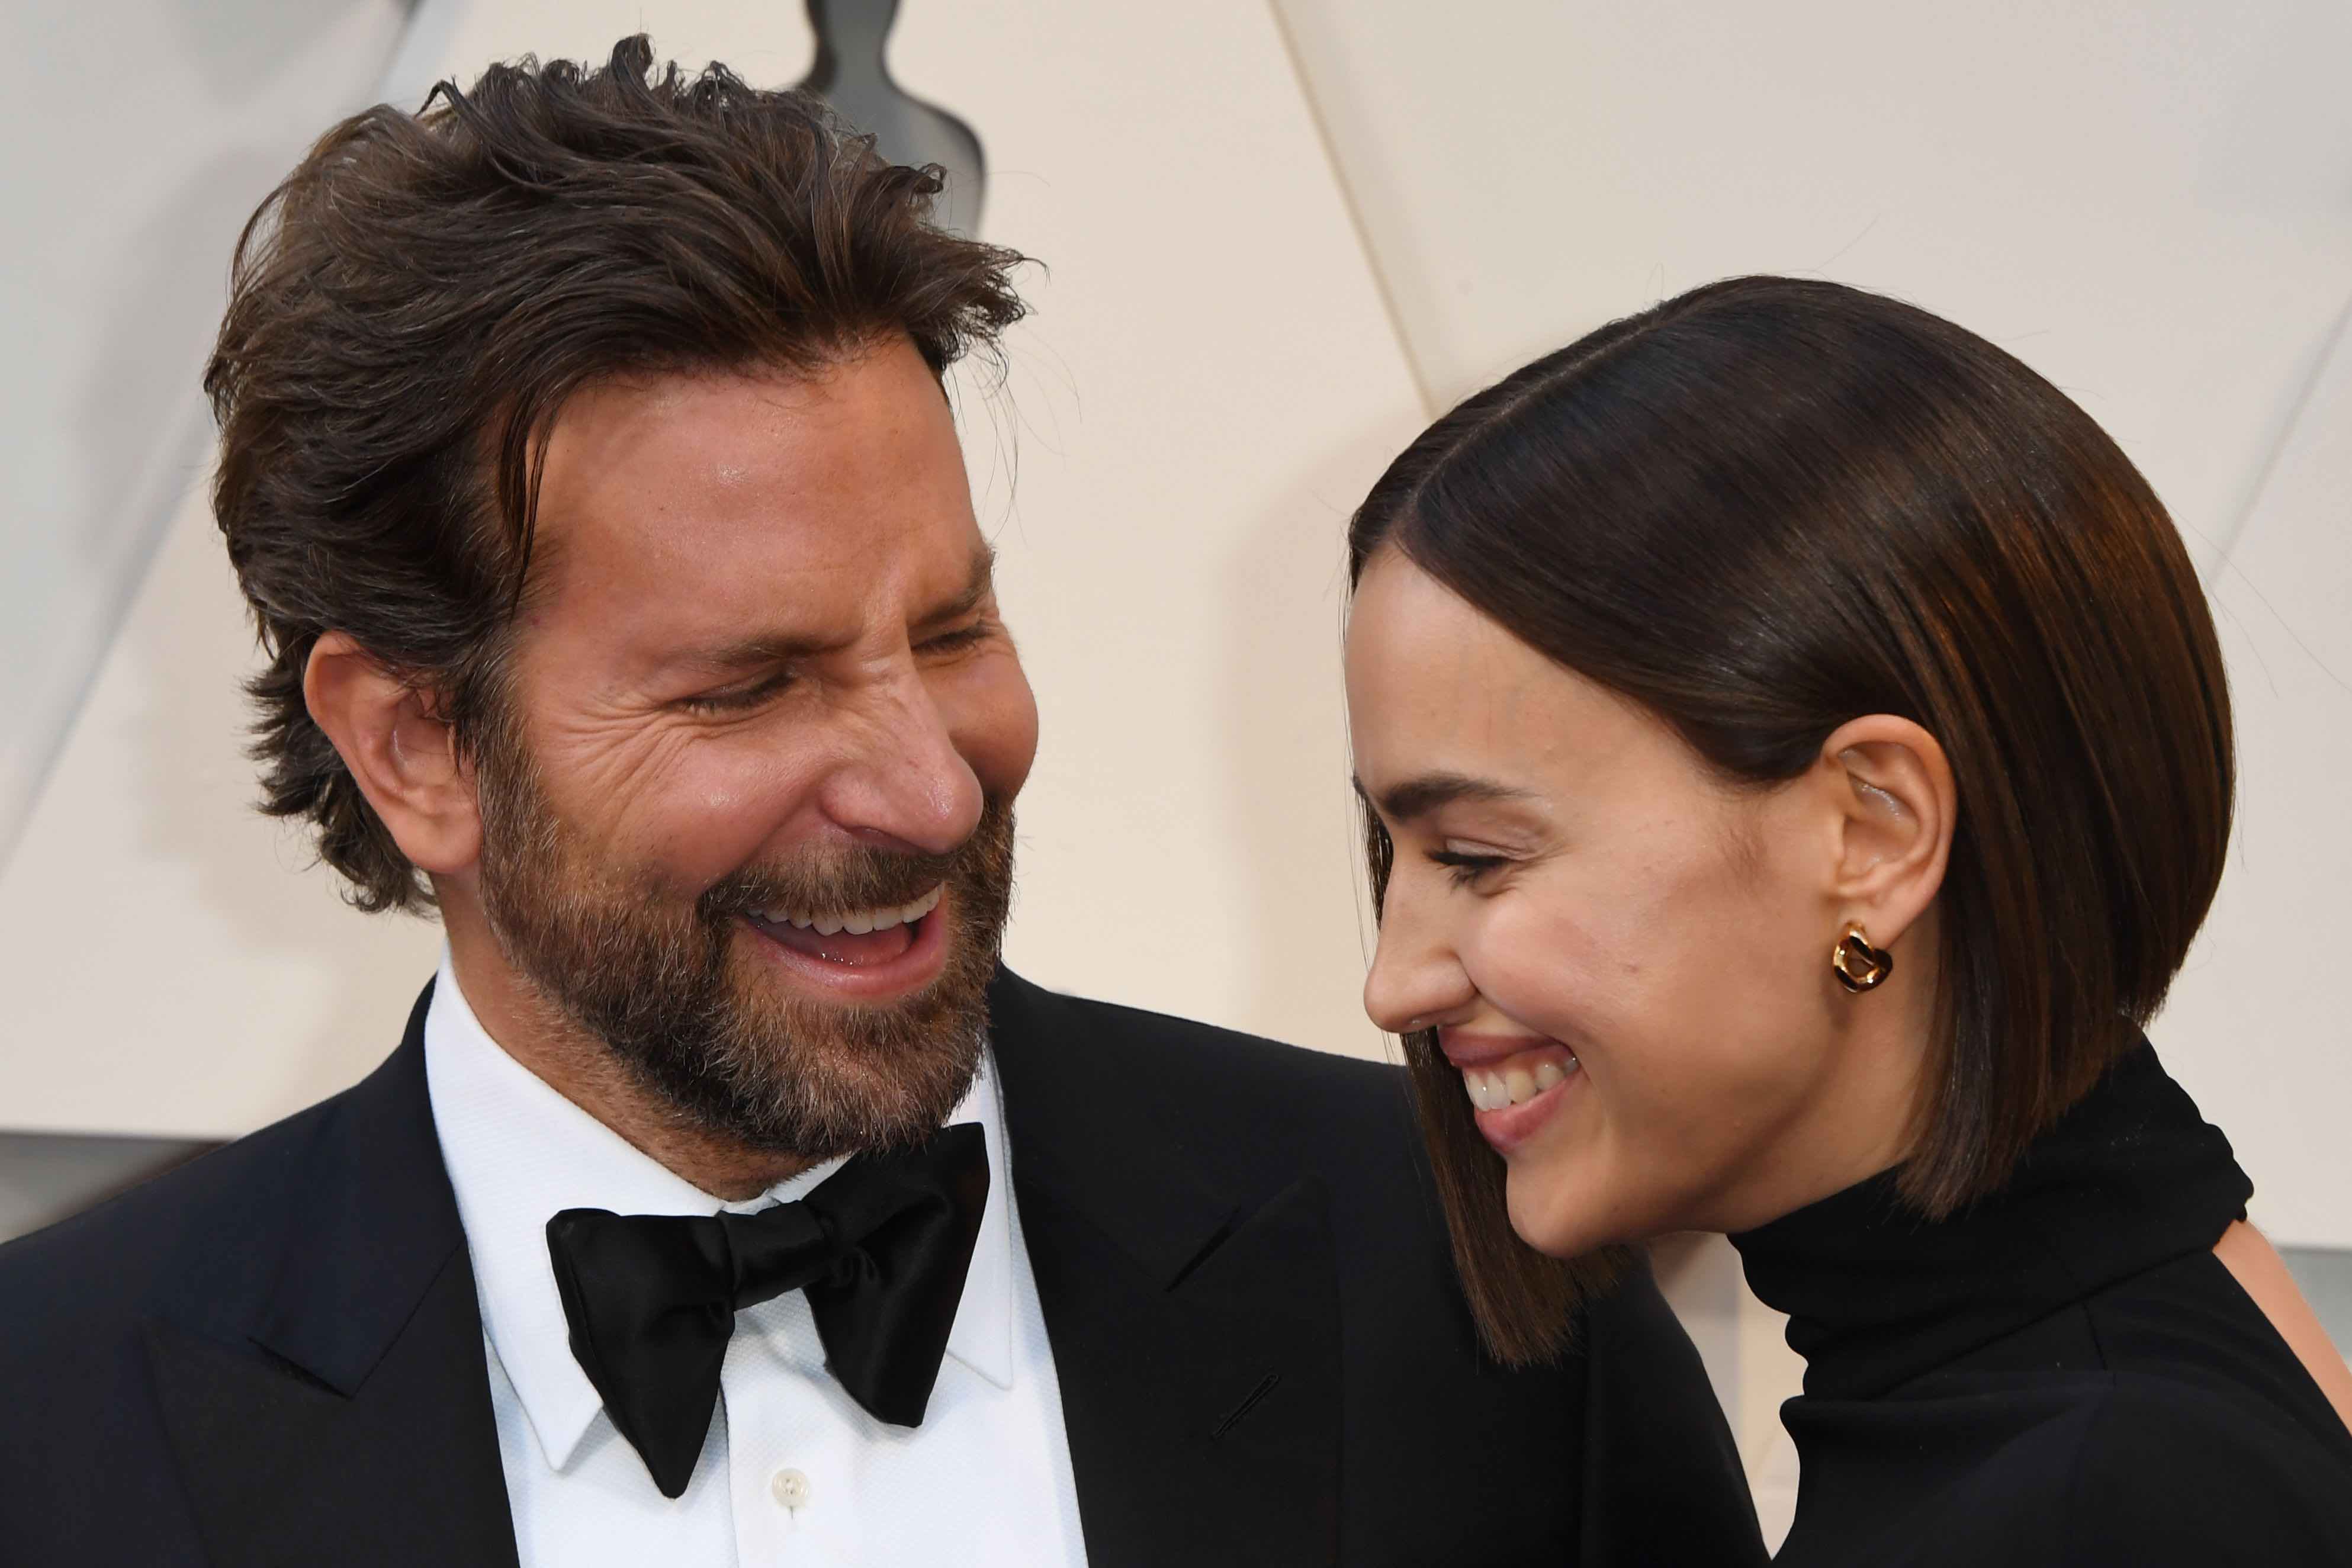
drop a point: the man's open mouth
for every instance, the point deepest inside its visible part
(852, 937)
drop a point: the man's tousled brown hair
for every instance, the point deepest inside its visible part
(411, 308)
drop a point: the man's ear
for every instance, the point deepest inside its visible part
(403, 757)
(1898, 809)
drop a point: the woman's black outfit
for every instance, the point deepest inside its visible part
(2062, 1374)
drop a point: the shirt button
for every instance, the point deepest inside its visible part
(791, 1488)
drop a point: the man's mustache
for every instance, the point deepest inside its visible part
(872, 881)
(858, 879)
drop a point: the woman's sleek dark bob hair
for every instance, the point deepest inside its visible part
(1771, 506)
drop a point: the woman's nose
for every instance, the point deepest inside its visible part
(1415, 980)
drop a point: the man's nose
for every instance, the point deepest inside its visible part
(905, 784)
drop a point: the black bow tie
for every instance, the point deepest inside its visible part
(881, 1248)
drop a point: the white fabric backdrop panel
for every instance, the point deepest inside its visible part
(2146, 201)
(139, 136)
(2254, 1024)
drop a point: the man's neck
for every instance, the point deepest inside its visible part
(583, 1069)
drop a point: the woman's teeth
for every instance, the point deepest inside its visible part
(857, 923)
(1515, 1084)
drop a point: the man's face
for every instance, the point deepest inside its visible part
(748, 818)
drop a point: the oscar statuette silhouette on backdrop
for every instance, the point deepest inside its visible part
(852, 76)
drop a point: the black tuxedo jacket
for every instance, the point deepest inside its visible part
(274, 1356)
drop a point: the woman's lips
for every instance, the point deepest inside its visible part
(1517, 1083)
(1518, 1080)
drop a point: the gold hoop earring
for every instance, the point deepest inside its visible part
(1858, 965)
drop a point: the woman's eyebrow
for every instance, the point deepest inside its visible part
(1423, 792)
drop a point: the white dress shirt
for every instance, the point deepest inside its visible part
(793, 1471)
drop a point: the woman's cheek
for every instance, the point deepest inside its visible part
(1541, 971)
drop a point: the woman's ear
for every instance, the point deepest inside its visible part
(1898, 809)
(403, 757)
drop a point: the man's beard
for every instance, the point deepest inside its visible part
(668, 990)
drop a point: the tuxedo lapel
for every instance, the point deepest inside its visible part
(328, 1396)
(285, 1469)
(1195, 1331)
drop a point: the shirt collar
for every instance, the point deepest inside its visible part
(516, 1152)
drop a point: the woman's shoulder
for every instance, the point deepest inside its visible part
(2178, 1464)
(2177, 1467)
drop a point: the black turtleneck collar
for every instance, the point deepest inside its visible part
(2129, 1178)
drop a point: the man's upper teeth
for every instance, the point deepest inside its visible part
(857, 922)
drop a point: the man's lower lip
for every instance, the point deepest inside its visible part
(1514, 1124)
(916, 967)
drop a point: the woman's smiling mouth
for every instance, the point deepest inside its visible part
(1514, 1083)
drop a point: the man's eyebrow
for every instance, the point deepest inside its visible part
(754, 652)
(976, 588)
(763, 649)
(1416, 797)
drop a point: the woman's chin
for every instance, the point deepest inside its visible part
(1554, 1214)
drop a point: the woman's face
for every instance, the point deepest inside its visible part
(1627, 957)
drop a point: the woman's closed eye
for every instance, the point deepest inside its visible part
(1464, 866)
